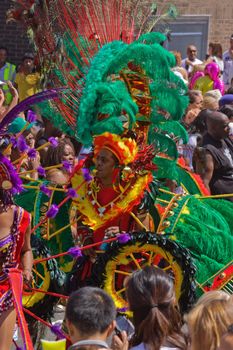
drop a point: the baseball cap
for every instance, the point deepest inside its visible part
(29, 55)
(225, 100)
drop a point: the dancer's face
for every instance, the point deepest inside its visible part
(105, 164)
(68, 154)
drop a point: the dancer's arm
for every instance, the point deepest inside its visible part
(26, 256)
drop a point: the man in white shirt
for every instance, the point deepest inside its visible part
(191, 60)
(228, 65)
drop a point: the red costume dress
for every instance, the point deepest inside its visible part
(105, 198)
(101, 207)
(10, 249)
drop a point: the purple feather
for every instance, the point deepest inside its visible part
(12, 174)
(67, 166)
(56, 329)
(32, 153)
(31, 116)
(86, 175)
(123, 238)
(21, 144)
(52, 212)
(75, 252)
(122, 309)
(41, 171)
(72, 193)
(30, 101)
(13, 141)
(45, 190)
(53, 142)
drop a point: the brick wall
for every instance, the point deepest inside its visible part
(221, 16)
(220, 12)
(12, 35)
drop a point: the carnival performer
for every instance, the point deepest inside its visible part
(109, 201)
(15, 248)
(209, 80)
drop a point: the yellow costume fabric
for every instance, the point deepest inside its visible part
(28, 85)
(204, 84)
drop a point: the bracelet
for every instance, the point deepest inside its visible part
(27, 270)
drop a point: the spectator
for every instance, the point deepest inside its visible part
(228, 65)
(55, 156)
(4, 108)
(194, 108)
(151, 296)
(226, 100)
(208, 321)
(90, 318)
(27, 80)
(7, 73)
(230, 90)
(214, 93)
(207, 80)
(227, 110)
(200, 128)
(178, 70)
(218, 175)
(211, 99)
(210, 102)
(191, 60)
(215, 55)
(226, 342)
(48, 130)
(24, 163)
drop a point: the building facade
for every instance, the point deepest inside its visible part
(12, 35)
(204, 21)
(220, 16)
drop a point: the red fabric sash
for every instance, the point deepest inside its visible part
(16, 281)
(22, 227)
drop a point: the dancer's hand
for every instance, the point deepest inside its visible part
(112, 231)
(27, 278)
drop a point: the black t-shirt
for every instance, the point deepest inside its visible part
(222, 153)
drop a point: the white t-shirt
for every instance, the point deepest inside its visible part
(190, 68)
(219, 62)
(142, 347)
(228, 68)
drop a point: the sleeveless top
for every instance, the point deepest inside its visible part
(222, 153)
(10, 250)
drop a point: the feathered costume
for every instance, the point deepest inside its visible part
(119, 81)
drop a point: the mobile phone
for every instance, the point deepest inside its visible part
(123, 324)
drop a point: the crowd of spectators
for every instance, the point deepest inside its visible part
(208, 120)
(158, 324)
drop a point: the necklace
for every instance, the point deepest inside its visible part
(93, 190)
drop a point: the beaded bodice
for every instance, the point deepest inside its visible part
(8, 246)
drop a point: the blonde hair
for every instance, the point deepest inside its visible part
(210, 102)
(208, 321)
(212, 295)
(213, 93)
